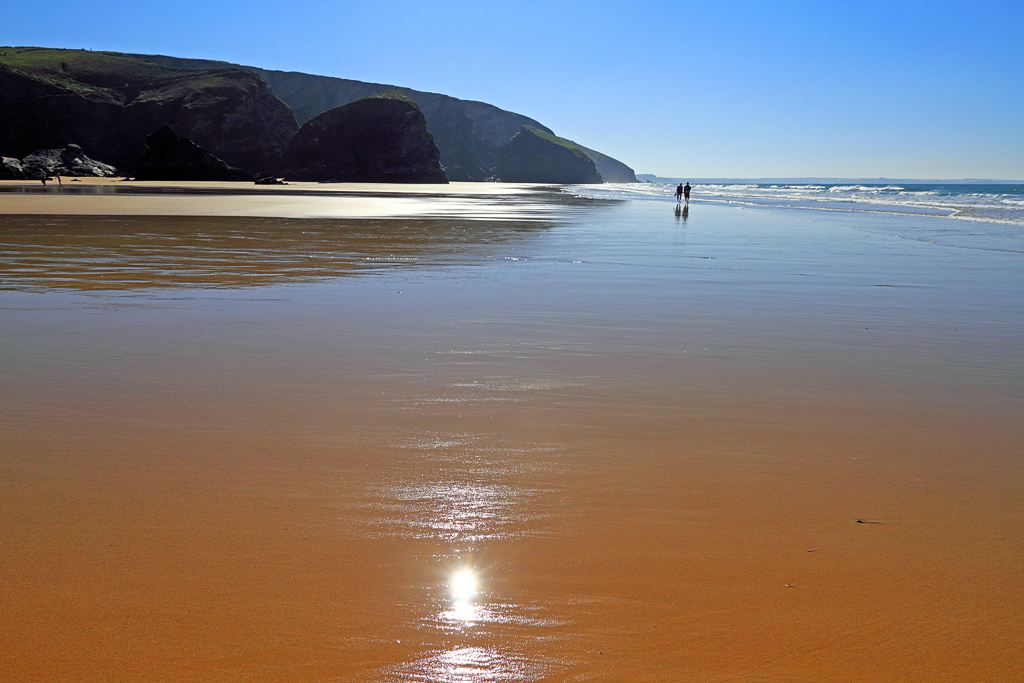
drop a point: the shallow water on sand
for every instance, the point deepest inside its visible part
(239, 449)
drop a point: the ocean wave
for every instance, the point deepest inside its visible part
(865, 188)
(1003, 204)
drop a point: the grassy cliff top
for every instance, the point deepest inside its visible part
(389, 95)
(77, 68)
(561, 142)
(85, 71)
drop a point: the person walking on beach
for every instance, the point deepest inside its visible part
(686, 191)
(679, 193)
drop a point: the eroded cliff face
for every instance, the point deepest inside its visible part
(382, 138)
(39, 113)
(467, 133)
(534, 156)
(108, 103)
(231, 113)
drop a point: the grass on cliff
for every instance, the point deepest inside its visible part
(388, 95)
(561, 142)
(95, 73)
(79, 69)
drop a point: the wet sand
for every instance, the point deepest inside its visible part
(120, 197)
(655, 469)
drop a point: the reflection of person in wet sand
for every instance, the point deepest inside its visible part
(686, 211)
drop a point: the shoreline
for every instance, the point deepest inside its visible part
(115, 197)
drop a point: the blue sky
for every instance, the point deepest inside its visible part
(737, 89)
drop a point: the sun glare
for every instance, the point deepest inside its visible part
(463, 585)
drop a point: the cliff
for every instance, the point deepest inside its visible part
(467, 133)
(382, 138)
(108, 103)
(536, 156)
(611, 170)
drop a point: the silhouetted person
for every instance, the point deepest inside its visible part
(679, 193)
(42, 178)
(686, 191)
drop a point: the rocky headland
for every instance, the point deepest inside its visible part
(611, 170)
(110, 102)
(467, 133)
(382, 138)
(536, 156)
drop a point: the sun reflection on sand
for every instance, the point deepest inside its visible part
(462, 611)
(472, 664)
(463, 588)
(463, 585)
(473, 492)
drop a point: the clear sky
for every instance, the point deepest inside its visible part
(736, 89)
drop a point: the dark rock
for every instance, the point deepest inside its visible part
(110, 102)
(468, 134)
(43, 113)
(170, 157)
(231, 113)
(534, 156)
(10, 169)
(379, 139)
(70, 161)
(270, 180)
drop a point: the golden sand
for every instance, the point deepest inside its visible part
(248, 529)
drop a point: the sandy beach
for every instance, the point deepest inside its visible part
(254, 435)
(120, 197)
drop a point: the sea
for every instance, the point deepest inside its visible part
(982, 216)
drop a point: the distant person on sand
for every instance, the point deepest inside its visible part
(42, 178)
(686, 191)
(59, 182)
(679, 193)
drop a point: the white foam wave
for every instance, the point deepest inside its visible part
(958, 202)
